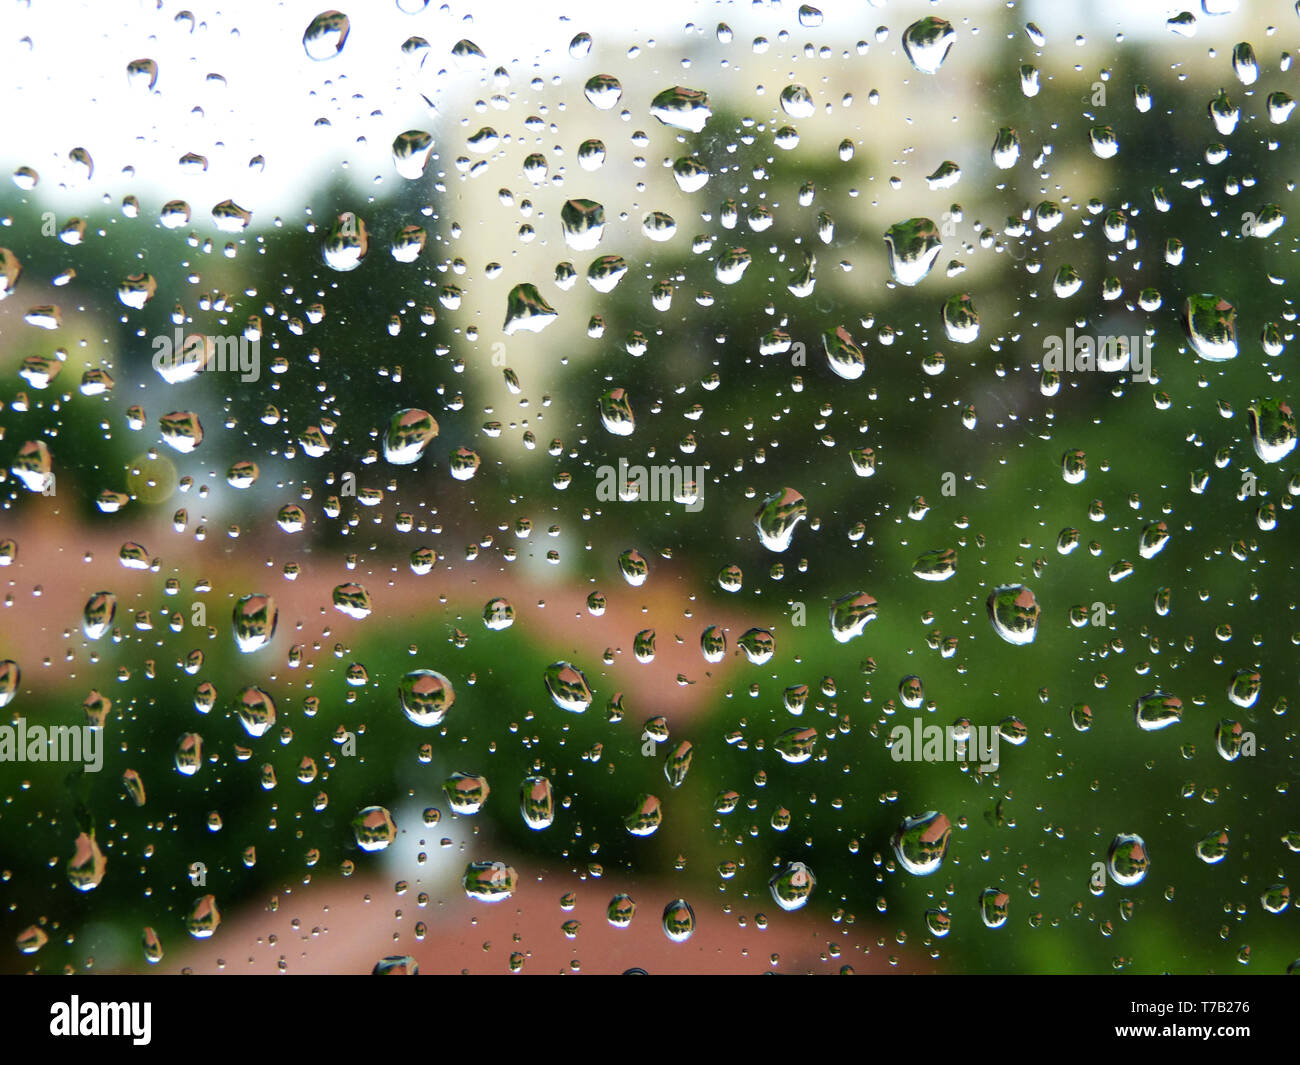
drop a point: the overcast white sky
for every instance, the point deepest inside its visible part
(63, 78)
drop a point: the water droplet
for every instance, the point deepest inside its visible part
(537, 802)
(97, 616)
(758, 644)
(993, 907)
(411, 153)
(690, 174)
(914, 245)
(1006, 148)
(466, 792)
(326, 35)
(680, 108)
(467, 54)
(181, 430)
(256, 710)
(580, 46)
(633, 566)
(678, 763)
(1127, 860)
(204, 918)
(1103, 141)
(1272, 429)
(842, 354)
(409, 432)
(921, 842)
(489, 881)
(1213, 848)
(679, 921)
(603, 91)
(1014, 612)
(583, 224)
(646, 816)
(255, 618)
(796, 745)
(425, 697)
(732, 264)
(797, 101)
(527, 310)
(353, 600)
(927, 43)
(792, 886)
(850, 614)
(373, 828)
(777, 517)
(1157, 710)
(1244, 688)
(188, 756)
(620, 911)
(616, 412)
(87, 866)
(346, 244)
(937, 565)
(960, 320)
(567, 687)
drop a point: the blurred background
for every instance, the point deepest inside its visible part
(128, 124)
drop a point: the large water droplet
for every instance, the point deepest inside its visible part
(678, 763)
(603, 91)
(681, 108)
(960, 320)
(467, 793)
(937, 565)
(353, 600)
(1014, 612)
(792, 886)
(842, 354)
(777, 517)
(537, 802)
(567, 687)
(1127, 860)
(645, 817)
(425, 697)
(583, 224)
(87, 866)
(527, 310)
(204, 918)
(921, 842)
(1244, 687)
(679, 921)
(796, 745)
(346, 244)
(1272, 429)
(326, 35)
(411, 152)
(927, 43)
(489, 881)
(373, 828)
(1006, 148)
(409, 433)
(616, 412)
(850, 614)
(993, 907)
(1157, 710)
(914, 245)
(1211, 327)
(256, 710)
(97, 615)
(255, 618)
(620, 911)
(797, 101)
